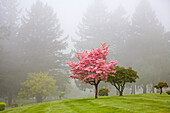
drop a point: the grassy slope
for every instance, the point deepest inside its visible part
(140, 103)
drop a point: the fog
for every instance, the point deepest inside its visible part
(41, 35)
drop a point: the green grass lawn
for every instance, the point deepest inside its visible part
(139, 103)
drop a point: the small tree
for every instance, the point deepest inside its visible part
(38, 85)
(160, 86)
(122, 76)
(93, 67)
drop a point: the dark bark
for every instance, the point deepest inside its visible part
(121, 93)
(120, 88)
(160, 90)
(96, 90)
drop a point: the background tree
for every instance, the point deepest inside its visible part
(11, 70)
(145, 48)
(82, 86)
(43, 43)
(93, 26)
(118, 29)
(93, 67)
(160, 86)
(98, 25)
(122, 76)
(38, 85)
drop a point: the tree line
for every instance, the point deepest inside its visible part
(138, 40)
(30, 44)
(35, 43)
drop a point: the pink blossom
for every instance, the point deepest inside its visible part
(93, 66)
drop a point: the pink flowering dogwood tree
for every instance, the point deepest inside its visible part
(93, 67)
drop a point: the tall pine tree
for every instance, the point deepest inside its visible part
(43, 42)
(10, 68)
(92, 29)
(145, 49)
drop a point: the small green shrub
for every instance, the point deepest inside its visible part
(2, 106)
(168, 92)
(14, 105)
(103, 92)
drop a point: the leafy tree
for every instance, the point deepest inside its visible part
(160, 86)
(38, 85)
(93, 67)
(43, 43)
(122, 76)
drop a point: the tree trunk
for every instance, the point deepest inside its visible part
(9, 100)
(160, 90)
(144, 89)
(120, 93)
(39, 99)
(96, 90)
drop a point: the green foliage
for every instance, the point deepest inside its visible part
(161, 85)
(122, 76)
(168, 92)
(103, 92)
(61, 94)
(38, 85)
(2, 106)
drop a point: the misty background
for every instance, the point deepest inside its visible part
(40, 35)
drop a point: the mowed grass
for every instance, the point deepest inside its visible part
(139, 103)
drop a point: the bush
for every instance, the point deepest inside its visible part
(2, 106)
(103, 92)
(14, 105)
(168, 92)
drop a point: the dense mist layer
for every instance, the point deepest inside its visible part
(39, 36)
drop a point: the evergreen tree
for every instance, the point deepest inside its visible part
(117, 30)
(92, 29)
(10, 68)
(145, 49)
(43, 42)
